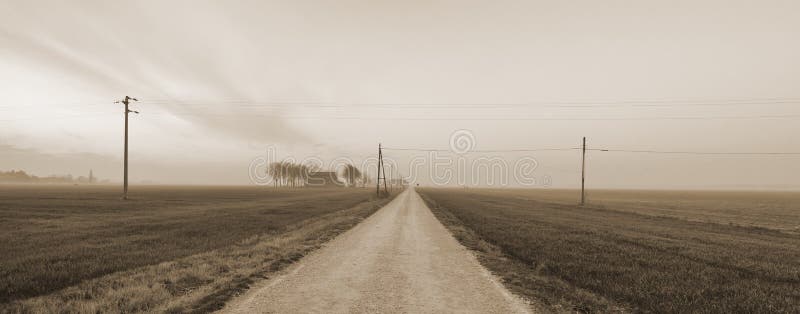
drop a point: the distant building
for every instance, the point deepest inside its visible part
(323, 179)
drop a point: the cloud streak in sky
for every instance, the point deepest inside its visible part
(166, 60)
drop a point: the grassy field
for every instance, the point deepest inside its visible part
(638, 251)
(170, 248)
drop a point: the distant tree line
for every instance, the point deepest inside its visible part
(20, 176)
(290, 174)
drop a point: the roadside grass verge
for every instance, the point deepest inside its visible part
(598, 260)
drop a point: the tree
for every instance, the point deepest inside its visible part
(286, 173)
(351, 174)
(276, 172)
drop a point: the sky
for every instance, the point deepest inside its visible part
(222, 84)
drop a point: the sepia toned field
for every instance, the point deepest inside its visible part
(81, 248)
(634, 251)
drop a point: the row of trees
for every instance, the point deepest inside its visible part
(286, 173)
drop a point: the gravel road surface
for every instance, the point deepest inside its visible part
(399, 260)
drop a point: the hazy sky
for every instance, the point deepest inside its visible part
(220, 81)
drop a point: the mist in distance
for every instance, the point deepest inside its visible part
(222, 83)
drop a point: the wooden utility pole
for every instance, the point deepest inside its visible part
(583, 173)
(125, 174)
(381, 169)
(378, 181)
(393, 179)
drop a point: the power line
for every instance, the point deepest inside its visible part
(551, 103)
(602, 150)
(384, 118)
(555, 104)
(584, 150)
(788, 116)
(279, 105)
(430, 118)
(696, 152)
(484, 151)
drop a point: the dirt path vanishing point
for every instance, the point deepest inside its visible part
(399, 260)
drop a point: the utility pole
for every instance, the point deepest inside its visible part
(381, 169)
(384, 177)
(378, 181)
(391, 179)
(125, 175)
(583, 173)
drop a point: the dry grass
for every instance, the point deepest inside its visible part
(635, 251)
(176, 249)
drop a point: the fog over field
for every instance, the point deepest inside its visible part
(221, 82)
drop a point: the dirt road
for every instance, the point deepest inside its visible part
(399, 260)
